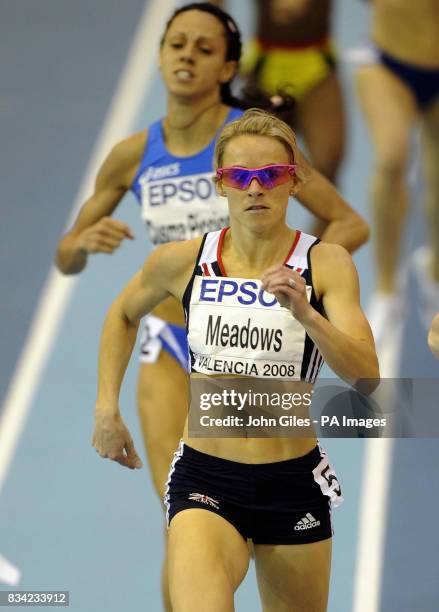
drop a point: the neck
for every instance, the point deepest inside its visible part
(184, 112)
(191, 124)
(259, 250)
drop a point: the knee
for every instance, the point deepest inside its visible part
(328, 160)
(391, 164)
(330, 166)
(431, 177)
(205, 563)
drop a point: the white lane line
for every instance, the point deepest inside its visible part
(372, 525)
(137, 75)
(9, 574)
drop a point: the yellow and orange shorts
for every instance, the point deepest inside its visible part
(293, 69)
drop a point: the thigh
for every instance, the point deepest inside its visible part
(321, 121)
(162, 398)
(294, 499)
(390, 111)
(294, 578)
(430, 143)
(207, 561)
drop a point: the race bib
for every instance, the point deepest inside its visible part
(182, 208)
(237, 328)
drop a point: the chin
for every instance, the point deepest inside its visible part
(259, 225)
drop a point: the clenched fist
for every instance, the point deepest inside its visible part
(112, 440)
(105, 236)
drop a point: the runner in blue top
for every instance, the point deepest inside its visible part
(168, 167)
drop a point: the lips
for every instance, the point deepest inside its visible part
(257, 207)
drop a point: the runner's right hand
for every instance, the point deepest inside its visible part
(105, 236)
(112, 440)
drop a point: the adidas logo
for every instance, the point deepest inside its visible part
(307, 522)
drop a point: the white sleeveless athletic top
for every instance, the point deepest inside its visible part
(235, 328)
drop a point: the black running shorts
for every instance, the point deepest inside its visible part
(285, 502)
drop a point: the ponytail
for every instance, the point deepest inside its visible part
(281, 105)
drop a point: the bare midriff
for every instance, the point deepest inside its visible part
(307, 28)
(259, 450)
(407, 30)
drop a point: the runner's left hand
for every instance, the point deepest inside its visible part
(289, 288)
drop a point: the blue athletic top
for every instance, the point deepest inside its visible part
(177, 194)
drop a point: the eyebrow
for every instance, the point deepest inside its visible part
(200, 38)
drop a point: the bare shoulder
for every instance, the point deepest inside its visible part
(328, 253)
(171, 265)
(131, 148)
(176, 255)
(332, 265)
(123, 160)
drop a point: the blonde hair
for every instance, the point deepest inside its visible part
(257, 122)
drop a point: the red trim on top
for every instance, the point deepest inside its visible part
(205, 269)
(219, 249)
(296, 240)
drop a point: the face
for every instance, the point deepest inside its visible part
(192, 57)
(256, 206)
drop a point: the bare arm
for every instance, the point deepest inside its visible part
(166, 272)
(344, 225)
(433, 336)
(94, 230)
(145, 290)
(344, 338)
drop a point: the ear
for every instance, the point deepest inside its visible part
(294, 190)
(220, 189)
(296, 187)
(159, 59)
(228, 71)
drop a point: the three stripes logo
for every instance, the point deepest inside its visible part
(306, 522)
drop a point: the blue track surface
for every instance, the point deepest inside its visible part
(67, 519)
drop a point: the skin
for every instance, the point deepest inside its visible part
(208, 558)
(196, 116)
(408, 31)
(319, 114)
(283, 10)
(392, 114)
(433, 336)
(195, 42)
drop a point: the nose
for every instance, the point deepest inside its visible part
(188, 53)
(254, 189)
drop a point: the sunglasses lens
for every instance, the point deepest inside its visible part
(268, 177)
(236, 177)
(274, 175)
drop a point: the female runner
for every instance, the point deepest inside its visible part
(399, 93)
(223, 491)
(169, 168)
(293, 50)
